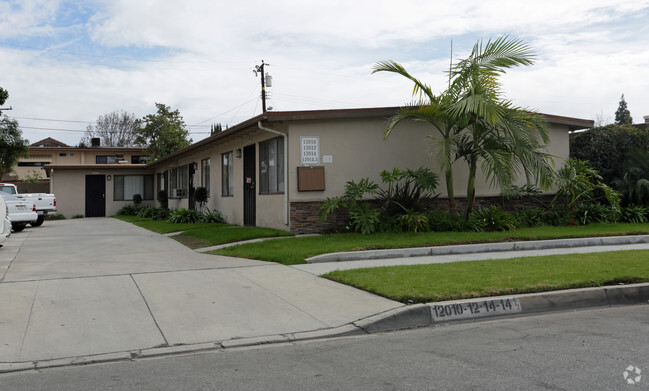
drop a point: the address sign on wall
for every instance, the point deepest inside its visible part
(310, 150)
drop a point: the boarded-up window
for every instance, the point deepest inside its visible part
(310, 178)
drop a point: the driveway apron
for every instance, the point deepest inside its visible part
(98, 285)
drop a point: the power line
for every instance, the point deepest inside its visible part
(53, 129)
(225, 112)
(56, 120)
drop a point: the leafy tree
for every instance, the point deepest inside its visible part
(4, 95)
(622, 114)
(115, 129)
(12, 144)
(634, 184)
(163, 133)
(607, 147)
(215, 128)
(577, 182)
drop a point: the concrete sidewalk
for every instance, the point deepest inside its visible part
(326, 263)
(97, 290)
(97, 286)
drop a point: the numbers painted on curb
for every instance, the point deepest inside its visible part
(474, 309)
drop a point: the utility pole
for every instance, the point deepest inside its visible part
(260, 69)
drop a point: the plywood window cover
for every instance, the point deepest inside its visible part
(311, 178)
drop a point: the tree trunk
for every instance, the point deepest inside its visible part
(450, 191)
(470, 189)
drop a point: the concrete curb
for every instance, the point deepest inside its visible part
(406, 317)
(423, 315)
(477, 248)
(220, 246)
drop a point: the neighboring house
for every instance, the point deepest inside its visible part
(273, 170)
(645, 125)
(53, 152)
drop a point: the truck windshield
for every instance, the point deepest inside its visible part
(8, 189)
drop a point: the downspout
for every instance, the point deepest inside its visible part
(285, 167)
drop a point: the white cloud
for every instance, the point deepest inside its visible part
(27, 18)
(321, 54)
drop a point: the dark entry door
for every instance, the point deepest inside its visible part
(249, 201)
(95, 195)
(190, 187)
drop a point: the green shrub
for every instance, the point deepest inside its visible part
(127, 210)
(137, 200)
(404, 193)
(56, 216)
(163, 199)
(559, 215)
(161, 214)
(490, 219)
(200, 196)
(634, 214)
(364, 218)
(212, 217)
(444, 221)
(588, 213)
(78, 216)
(184, 215)
(148, 211)
(406, 189)
(529, 217)
(414, 222)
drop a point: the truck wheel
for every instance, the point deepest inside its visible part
(38, 222)
(17, 227)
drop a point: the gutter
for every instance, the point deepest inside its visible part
(262, 127)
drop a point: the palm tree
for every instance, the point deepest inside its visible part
(506, 140)
(429, 109)
(476, 124)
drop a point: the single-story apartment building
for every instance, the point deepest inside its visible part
(274, 169)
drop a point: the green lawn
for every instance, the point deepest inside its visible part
(204, 234)
(211, 236)
(163, 226)
(461, 280)
(292, 251)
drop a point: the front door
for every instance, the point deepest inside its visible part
(95, 195)
(249, 195)
(190, 187)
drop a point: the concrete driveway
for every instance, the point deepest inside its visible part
(92, 286)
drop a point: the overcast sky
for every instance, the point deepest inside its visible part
(65, 63)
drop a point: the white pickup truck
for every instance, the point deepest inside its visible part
(5, 223)
(45, 203)
(20, 211)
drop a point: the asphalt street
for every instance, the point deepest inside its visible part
(572, 350)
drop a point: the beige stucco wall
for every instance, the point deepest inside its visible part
(357, 150)
(356, 147)
(69, 187)
(269, 209)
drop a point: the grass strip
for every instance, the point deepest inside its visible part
(463, 280)
(196, 235)
(165, 227)
(212, 236)
(293, 251)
